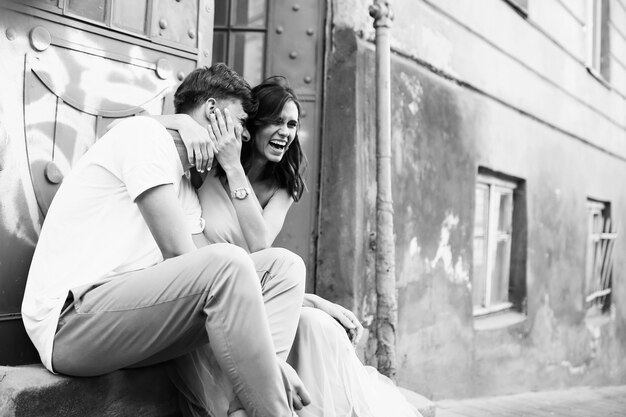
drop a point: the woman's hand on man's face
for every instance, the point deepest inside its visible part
(227, 136)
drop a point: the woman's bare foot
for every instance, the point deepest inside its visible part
(237, 409)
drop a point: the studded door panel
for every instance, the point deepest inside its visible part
(295, 47)
(63, 79)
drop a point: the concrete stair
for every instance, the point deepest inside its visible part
(32, 391)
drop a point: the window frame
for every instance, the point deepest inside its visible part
(231, 30)
(594, 34)
(520, 6)
(598, 40)
(496, 187)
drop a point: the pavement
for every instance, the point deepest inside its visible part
(573, 402)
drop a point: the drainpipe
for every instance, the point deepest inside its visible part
(386, 304)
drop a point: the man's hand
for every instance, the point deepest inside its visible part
(200, 148)
(297, 393)
(227, 136)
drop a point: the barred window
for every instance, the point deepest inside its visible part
(599, 259)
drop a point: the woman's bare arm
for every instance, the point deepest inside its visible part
(259, 226)
(344, 316)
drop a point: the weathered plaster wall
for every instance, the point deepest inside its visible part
(434, 187)
(459, 103)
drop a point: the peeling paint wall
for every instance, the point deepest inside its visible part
(475, 86)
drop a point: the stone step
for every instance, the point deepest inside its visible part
(32, 391)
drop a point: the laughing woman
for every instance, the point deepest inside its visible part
(251, 217)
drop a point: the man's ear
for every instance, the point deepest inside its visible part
(209, 107)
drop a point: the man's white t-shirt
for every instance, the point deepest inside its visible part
(94, 229)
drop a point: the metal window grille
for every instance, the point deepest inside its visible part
(602, 237)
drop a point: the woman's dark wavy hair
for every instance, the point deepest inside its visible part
(272, 95)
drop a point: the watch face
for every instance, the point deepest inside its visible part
(240, 193)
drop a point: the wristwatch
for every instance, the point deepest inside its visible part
(240, 193)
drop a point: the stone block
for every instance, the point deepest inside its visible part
(27, 391)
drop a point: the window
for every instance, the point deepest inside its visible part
(599, 259)
(598, 47)
(498, 281)
(239, 36)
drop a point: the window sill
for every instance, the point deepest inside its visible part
(596, 74)
(520, 9)
(492, 309)
(498, 320)
(596, 318)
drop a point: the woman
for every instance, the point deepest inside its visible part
(322, 353)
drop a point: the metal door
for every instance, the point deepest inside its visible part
(259, 38)
(295, 49)
(68, 67)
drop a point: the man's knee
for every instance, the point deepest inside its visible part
(295, 265)
(225, 254)
(225, 251)
(228, 263)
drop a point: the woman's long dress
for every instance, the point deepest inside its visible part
(339, 384)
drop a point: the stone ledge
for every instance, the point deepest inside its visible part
(27, 391)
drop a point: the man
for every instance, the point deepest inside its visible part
(116, 280)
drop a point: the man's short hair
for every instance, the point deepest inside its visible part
(218, 81)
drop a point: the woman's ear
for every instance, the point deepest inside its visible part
(209, 107)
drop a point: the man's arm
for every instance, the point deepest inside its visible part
(190, 135)
(164, 216)
(194, 137)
